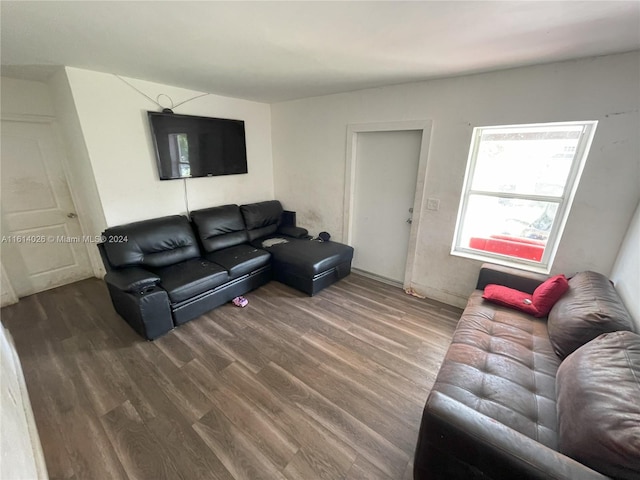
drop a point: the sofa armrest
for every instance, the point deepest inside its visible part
(295, 232)
(487, 448)
(131, 279)
(509, 277)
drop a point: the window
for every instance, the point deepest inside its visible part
(518, 189)
(179, 149)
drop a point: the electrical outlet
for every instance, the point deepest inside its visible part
(433, 204)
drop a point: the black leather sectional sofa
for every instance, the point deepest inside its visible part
(166, 271)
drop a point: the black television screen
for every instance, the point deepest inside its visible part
(189, 146)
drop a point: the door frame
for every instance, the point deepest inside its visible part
(353, 130)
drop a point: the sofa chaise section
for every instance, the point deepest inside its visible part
(304, 264)
(310, 266)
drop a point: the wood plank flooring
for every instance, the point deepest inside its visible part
(290, 387)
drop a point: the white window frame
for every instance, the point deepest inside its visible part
(564, 202)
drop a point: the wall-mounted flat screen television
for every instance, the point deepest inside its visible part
(189, 146)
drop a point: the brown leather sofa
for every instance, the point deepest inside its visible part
(524, 397)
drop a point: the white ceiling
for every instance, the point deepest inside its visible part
(273, 51)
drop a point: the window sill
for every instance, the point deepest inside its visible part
(504, 261)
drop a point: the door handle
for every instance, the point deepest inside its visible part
(409, 221)
(72, 215)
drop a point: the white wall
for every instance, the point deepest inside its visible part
(7, 293)
(309, 145)
(21, 455)
(626, 270)
(25, 97)
(113, 119)
(78, 166)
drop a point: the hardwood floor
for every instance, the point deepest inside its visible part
(290, 387)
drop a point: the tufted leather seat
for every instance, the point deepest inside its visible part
(501, 364)
(187, 279)
(240, 259)
(224, 239)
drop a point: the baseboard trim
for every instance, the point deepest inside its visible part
(379, 278)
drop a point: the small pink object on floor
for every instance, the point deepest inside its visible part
(240, 302)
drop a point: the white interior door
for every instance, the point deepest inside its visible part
(42, 242)
(386, 171)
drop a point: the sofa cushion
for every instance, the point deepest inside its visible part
(598, 389)
(240, 259)
(262, 219)
(547, 294)
(537, 304)
(590, 308)
(219, 227)
(185, 280)
(510, 297)
(501, 364)
(151, 243)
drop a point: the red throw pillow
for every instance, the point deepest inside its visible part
(547, 294)
(539, 304)
(510, 297)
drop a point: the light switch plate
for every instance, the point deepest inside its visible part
(433, 204)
